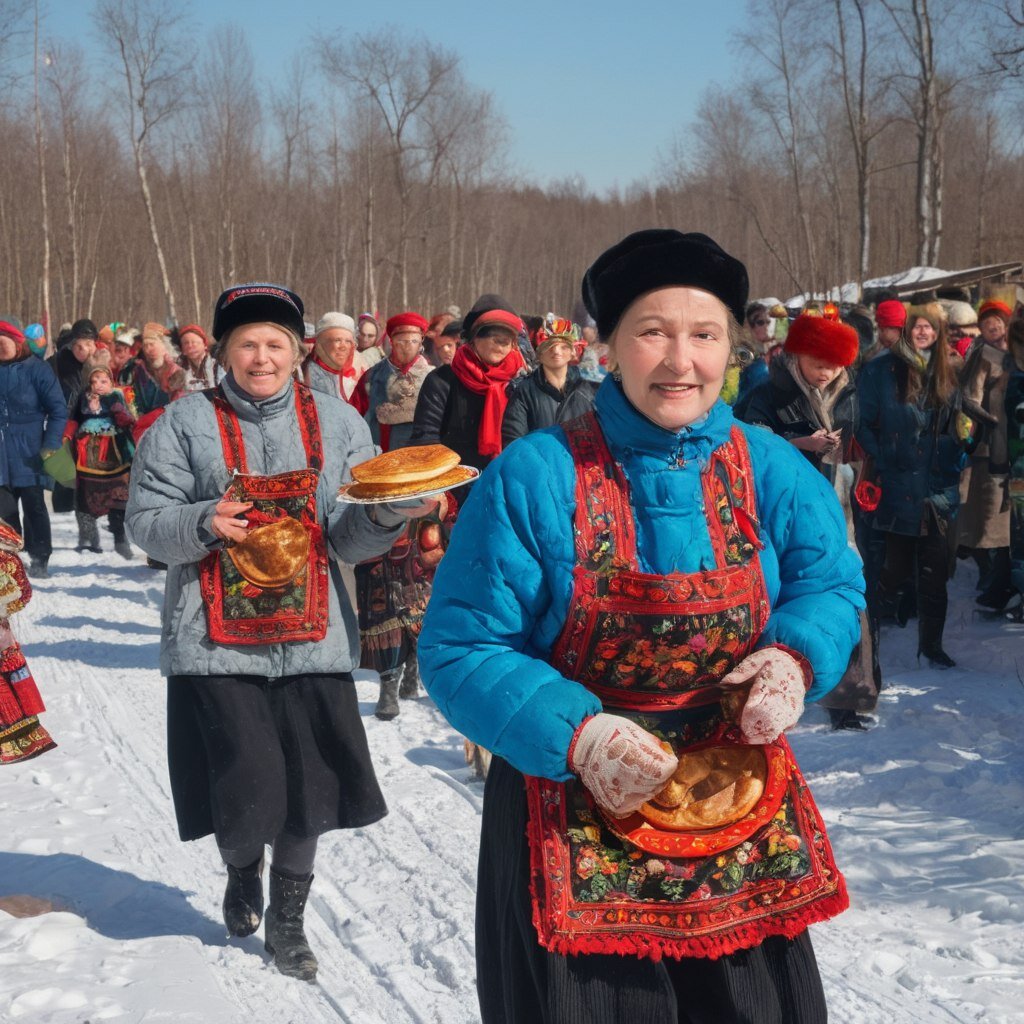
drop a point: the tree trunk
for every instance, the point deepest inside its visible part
(140, 169)
(44, 204)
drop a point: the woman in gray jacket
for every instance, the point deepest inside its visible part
(234, 488)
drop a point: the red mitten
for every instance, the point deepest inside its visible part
(621, 764)
(780, 679)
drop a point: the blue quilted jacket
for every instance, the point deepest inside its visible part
(502, 591)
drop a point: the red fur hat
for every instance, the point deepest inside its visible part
(406, 320)
(828, 340)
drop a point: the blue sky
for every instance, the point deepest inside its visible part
(594, 89)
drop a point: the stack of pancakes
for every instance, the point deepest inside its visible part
(407, 472)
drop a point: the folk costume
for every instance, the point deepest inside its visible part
(265, 743)
(22, 736)
(393, 590)
(613, 565)
(100, 434)
(207, 374)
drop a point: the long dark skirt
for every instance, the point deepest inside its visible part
(251, 757)
(519, 982)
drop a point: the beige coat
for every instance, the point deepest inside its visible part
(984, 520)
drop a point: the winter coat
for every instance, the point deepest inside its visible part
(69, 373)
(326, 381)
(781, 405)
(502, 593)
(155, 389)
(448, 413)
(534, 403)
(33, 414)
(179, 476)
(984, 520)
(917, 458)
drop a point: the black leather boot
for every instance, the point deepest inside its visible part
(387, 703)
(243, 899)
(929, 641)
(285, 937)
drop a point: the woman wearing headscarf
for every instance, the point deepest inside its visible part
(235, 490)
(908, 426)
(369, 340)
(33, 413)
(333, 366)
(195, 359)
(462, 405)
(628, 601)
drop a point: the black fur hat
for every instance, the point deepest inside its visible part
(659, 258)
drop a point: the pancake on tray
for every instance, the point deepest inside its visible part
(408, 471)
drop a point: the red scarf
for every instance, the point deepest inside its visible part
(349, 371)
(489, 381)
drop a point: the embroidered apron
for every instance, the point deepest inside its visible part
(278, 590)
(652, 648)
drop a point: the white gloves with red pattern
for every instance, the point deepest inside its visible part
(776, 699)
(621, 764)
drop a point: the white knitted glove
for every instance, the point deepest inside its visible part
(776, 698)
(621, 764)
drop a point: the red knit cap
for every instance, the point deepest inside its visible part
(829, 340)
(891, 313)
(194, 329)
(406, 320)
(995, 308)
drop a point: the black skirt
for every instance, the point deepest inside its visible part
(520, 982)
(251, 757)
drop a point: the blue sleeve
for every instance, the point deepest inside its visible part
(51, 399)
(489, 593)
(821, 582)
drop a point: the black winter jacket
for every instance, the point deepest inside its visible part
(448, 413)
(781, 405)
(69, 372)
(534, 402)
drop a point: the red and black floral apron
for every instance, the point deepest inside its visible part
(238, 610)
(653, 648)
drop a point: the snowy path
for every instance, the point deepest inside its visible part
(925, 813)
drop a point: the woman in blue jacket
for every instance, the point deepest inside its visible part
(32, 418)
(634, 607)
(907, 425)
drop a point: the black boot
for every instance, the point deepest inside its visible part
(387, 704)
(243, 899)
(285, 938)
(929, 641)
(88, 533)
(38, 567)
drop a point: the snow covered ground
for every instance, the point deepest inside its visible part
(925, 812)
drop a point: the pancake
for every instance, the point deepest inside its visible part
(272, 556)
(452, 478)
(406, 466)
(711, 788)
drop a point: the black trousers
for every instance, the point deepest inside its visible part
(519, 982)
(36, 516)
(923, 563)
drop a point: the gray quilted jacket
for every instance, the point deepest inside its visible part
(179, 475)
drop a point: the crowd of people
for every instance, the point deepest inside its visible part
(646, 574)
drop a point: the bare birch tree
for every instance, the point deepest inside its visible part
(147, 40)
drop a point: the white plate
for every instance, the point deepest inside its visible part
(343, 494)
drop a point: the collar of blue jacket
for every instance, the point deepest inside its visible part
(629, 433)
